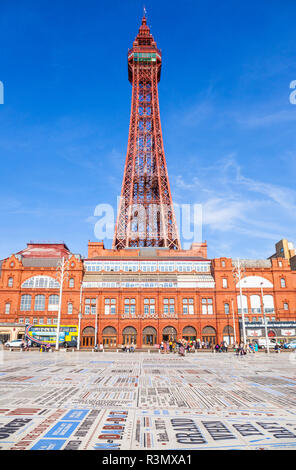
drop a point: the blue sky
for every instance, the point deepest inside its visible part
(228, 124)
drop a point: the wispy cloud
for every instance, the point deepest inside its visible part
(238, 206)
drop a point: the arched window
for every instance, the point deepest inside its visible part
(39, 302)
(286, 306)
(53, 303)
(70, 308)
(226, 309)
(26, 302)
(254, 282)
(71, 282)
(41, 282)
(10, 281)
(7, 308)
(283, 282)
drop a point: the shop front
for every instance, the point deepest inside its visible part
(11, 331)
(281, 331)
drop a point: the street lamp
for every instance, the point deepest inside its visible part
(79, 316)
(234, 331)
(265, 324)
(62, 268)
(237, 274)
(96, 325)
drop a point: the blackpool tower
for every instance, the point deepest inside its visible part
(146, 215)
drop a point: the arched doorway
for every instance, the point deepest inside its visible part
(189, 333)
(129, 335)
(209, 335)
(88, 337)
(109, 335)
(149, 336)
(169, 333)
(228, 334)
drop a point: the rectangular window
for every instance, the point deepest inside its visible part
(7, 308)
(21, 320)
(35, 321)
(188, 306)
(207, 306)
(149, 306)
(224, 283)
(25, 302)
(110, 309)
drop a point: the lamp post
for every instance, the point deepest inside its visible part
(79, 316)
(265, 324)
(62, 268)
(237, 274)
(96, 323)
(234, 331)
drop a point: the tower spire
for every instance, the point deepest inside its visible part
(146, 214)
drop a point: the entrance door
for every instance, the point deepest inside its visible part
(129, 335)
(109, 341)
(149, 340)
(4, 338)
(189, 333)
(88, 341)
(88, 337)
(109, 336)
(209, 335)
(169, 333)
(209, 339)
(149, 336)
(129, 339)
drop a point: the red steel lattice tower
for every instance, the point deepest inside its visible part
(146, 215)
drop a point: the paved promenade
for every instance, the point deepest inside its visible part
(147, 401)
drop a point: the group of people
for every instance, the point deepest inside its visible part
(221, 347)
(179, 346)
(26, 345)
(128, 348)
(243, 349)
(45, 348)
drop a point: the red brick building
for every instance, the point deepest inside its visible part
(145, 295)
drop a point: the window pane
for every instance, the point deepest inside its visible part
(39, 302)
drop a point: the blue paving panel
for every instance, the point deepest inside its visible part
(49, 444)
(62, 429)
